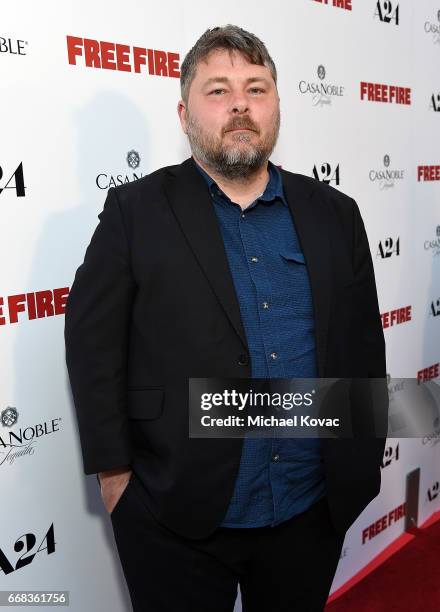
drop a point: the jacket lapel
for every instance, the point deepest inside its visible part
(191, 203)
(190, 200)
(312, 222)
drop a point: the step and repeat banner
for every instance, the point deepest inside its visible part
(89, 97)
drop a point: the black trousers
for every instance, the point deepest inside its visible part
(287, 568)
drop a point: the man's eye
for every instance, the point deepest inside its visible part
(214, 91)
(253, 89)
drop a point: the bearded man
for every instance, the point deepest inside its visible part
(223, 266)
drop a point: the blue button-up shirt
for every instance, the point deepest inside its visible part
(277, 477)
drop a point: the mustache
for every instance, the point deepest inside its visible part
(241, 123)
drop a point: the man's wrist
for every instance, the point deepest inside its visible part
(114, 472)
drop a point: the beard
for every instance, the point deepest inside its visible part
(238, 159)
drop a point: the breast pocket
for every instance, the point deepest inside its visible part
(145, 403)
(294, 256)
(294, 292)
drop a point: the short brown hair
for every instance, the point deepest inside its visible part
(228, 37)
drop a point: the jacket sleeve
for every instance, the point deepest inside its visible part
(96, 332)
(373, 342)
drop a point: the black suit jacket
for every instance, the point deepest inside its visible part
(154, 304)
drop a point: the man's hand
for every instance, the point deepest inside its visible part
(113, 483)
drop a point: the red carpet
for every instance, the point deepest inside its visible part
(408, 581)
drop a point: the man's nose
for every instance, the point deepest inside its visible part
(239, 104)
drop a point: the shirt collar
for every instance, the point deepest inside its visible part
(274, 187)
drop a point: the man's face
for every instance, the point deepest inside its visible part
(232, 117)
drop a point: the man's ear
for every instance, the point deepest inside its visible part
(181, 111)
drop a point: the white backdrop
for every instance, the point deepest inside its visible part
(67, 130)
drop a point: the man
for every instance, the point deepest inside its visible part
(223, 266)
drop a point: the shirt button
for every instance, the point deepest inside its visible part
(265, 305)
(243, 359)
(254, 259)
(242, 215)
(275, 457)
(273, 355)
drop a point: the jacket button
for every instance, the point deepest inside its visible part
(243, 359)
